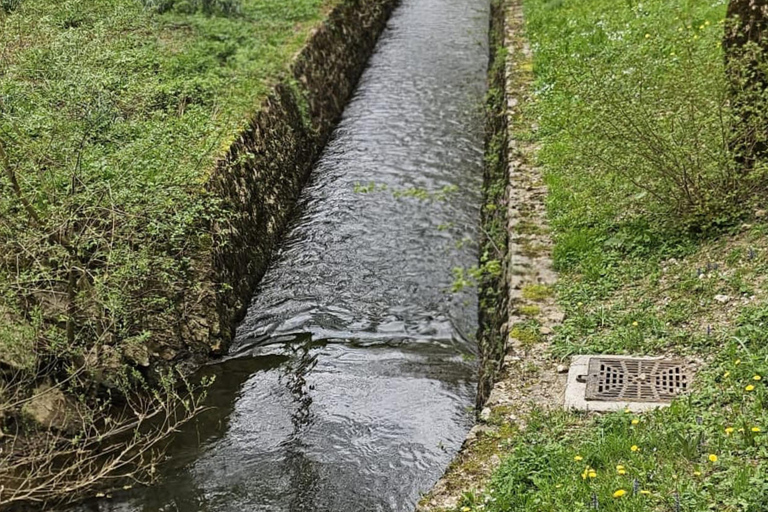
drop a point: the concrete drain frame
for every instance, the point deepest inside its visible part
(610, 383)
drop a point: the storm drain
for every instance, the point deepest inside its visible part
(635, 380)
(605, 383)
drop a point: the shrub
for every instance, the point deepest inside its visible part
(636, 110)
(209, 7)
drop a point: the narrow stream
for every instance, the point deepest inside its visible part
(351, 382)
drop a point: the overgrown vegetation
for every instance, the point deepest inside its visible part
(656, 196)
(112, 115)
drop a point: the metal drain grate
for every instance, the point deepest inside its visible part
(635, 380)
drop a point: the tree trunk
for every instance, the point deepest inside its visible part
(746, 45)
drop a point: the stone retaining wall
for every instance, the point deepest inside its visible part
(260, 178)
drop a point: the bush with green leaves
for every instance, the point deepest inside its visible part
(636, 112)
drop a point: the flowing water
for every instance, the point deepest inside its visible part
(350, 384)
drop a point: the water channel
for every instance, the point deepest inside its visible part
(351, 382)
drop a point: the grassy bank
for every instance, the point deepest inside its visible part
(661, 248)
(115, 116)
(112, 114)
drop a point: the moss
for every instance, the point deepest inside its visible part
(536, 292)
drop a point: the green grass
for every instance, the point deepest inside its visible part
(635, 278)
(112, 113)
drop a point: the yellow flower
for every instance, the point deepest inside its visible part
(749, 388)
(578, 458)
(619, 467)
(627, 411)
(635, 421)
(634, 324)
(756, 377)
(465, 509)
(726, 375)
(645, 492)
(579, 304)
(737, 362)
(697, 473)
(712, 457)
(647, 36)
(622, 472)
(729, 430)
(755, 429)
(619, 493)
(635, 448)
(592, 473)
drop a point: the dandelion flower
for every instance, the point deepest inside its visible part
(592, 473)
(635, 448)
(635, 421)
(729, 430)
(749, 388)
(645, 492)
(755, 429)
(578, 458)
(634, 324)
(627, 411)
(465, 509)
(757, 377)
(697, 473)
(619, 493)
(622, 472)
(647, 36)
(712, 457)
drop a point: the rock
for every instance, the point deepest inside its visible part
(722, 299)
(556, 317)
(495, 460)
(137, 353)
(545, 330)
(50, 408)
(760, 213)
(108, 367)
(168, 354)
(485, 414)
(561, 368)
